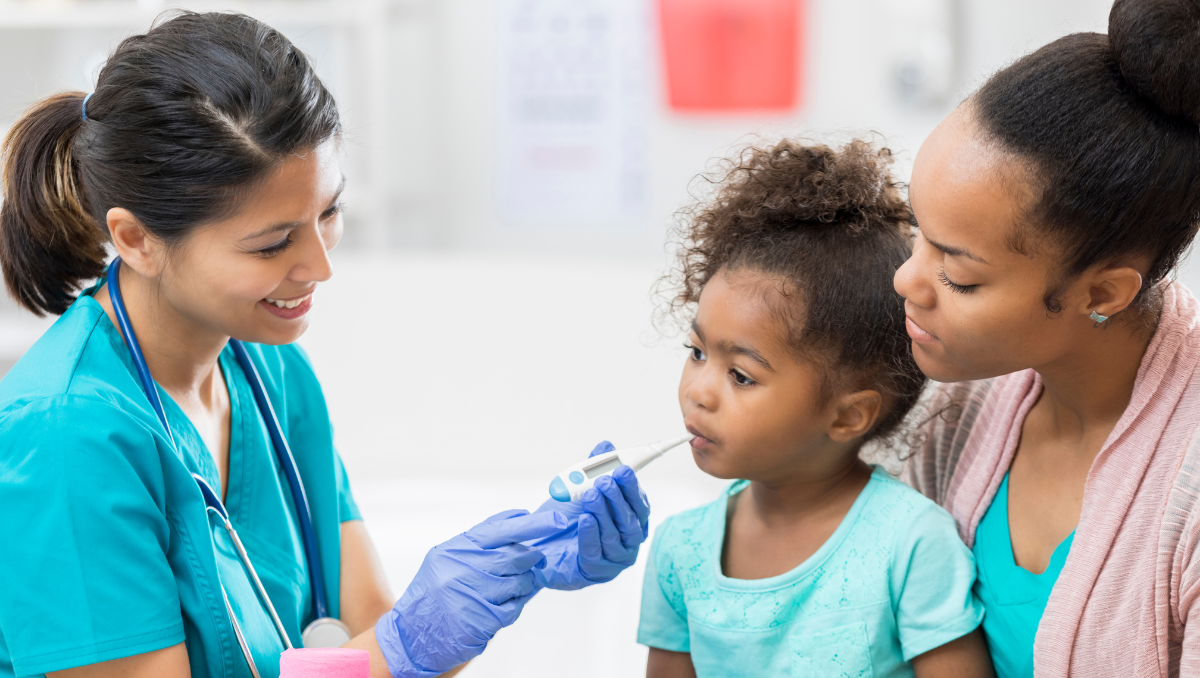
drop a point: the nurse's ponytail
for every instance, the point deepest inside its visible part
(184, 119)
(49, 242)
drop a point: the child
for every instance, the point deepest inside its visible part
(813, 564)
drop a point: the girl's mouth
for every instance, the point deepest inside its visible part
(700, 442)
(288, 309)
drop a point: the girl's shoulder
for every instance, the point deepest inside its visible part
(897, 514)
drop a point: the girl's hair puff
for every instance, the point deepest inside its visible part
(831, 226)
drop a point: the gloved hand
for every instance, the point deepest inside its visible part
(467, 589)
(608, 524)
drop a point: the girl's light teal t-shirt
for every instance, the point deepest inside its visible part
(107, 548)
(1015, 598)
(893, 582)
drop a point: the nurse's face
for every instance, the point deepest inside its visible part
(975, 305)
(252, 276)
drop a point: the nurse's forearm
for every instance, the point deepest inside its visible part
(365, 594)
(379, 668)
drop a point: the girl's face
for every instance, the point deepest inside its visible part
(975, 305)
(230, 278)
(753, 406)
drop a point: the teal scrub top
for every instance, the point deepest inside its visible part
(107, 549)
(1014, 597)
(892, 582)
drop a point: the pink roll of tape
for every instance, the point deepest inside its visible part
(325, 662)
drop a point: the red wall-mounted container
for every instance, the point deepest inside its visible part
(731, 56)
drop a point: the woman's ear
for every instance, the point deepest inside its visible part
(136, 247)
(1111, 290)
(856, 414)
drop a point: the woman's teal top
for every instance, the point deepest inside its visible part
(107, 550)
(1014, 597)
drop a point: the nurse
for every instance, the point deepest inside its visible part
(208, 160)
(1053, 206)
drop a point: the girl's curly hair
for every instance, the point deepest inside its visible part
(832, 227)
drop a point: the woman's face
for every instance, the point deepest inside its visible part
(252, 276)
(975, 304)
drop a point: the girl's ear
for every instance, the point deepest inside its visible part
(856, 414)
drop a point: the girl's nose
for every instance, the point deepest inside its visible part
(702, 391)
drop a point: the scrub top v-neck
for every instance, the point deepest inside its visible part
(1013, 597)
(109, 551)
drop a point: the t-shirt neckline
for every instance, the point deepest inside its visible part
(804, 569)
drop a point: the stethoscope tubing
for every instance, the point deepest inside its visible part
(283, 454)
(287, 461)
(215, 506)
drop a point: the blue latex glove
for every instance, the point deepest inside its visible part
(608, 525)
(467, 589)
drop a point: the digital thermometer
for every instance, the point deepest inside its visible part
(573, 482)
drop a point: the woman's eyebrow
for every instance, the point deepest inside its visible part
(955, 251)
(293, 224)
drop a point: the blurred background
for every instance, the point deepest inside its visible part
(514, 167)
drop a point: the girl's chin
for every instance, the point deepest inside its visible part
(706, 462)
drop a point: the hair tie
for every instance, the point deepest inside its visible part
(84, 107)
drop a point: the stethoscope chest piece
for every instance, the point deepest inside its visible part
(325, 632)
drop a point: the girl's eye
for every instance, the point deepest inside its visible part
(272, 250)
(697, 354)
(741, 379)
(955, 287)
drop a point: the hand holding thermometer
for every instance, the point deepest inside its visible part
(573, 482)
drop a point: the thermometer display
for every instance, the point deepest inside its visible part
(573, 482)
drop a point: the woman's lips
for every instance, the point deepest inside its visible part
(286, 313)
(918, 333)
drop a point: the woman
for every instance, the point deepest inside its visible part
(1052, 206)
(208, 160)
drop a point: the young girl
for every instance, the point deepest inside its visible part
(814, 563)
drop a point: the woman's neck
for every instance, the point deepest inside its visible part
(182, 356)
(1091, 386)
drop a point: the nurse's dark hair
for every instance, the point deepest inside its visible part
(184, 120)
(827, 228)
(1107, 128)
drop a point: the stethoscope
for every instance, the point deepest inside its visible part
(324, 631)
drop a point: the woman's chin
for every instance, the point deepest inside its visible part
(273, 334)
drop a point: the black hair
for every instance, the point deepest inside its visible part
(833, 227)
(184, 119)
(1108, 127)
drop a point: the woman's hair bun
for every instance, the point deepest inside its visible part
(1157, 46)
